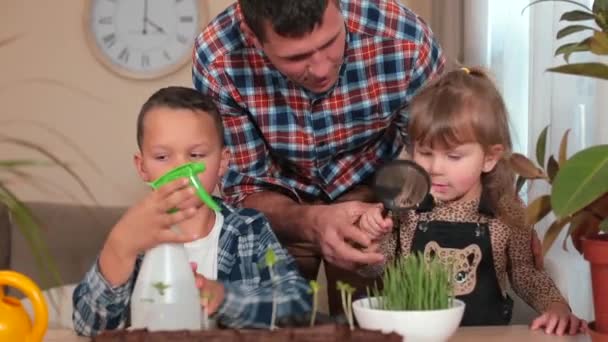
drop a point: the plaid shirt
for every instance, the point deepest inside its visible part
(286, 138)
(244, 239)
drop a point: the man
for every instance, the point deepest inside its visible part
(310, 91)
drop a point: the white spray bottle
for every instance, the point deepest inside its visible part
(165, 296)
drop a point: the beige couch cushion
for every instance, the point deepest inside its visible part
(74, 235)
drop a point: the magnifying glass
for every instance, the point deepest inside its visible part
(401, 185)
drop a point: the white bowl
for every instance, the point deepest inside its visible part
(414, 326)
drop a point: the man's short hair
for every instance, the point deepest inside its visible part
(288, 18)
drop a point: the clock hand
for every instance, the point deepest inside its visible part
(145, 18)
(156, 26)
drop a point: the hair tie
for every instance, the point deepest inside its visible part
(467, 70)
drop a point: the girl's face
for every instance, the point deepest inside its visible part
(456, 171)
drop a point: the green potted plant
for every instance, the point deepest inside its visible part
(415, 292)
(14, 172)
(579, 184)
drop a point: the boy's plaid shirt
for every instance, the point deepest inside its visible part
(284, 137)
(244, 240)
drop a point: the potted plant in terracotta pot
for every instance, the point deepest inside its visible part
(415, 292)
(579, 184)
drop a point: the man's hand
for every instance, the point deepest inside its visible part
(335, 231)
(537, 251)
(212, 292)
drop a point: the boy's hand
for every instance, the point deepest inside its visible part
(212, 292)
(374, 223)
(148, 223)
(559, 320)
(145, 225)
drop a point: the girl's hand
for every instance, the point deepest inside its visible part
(559, 320)
(374, 223)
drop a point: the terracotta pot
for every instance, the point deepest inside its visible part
(595, 250)
(597, 336)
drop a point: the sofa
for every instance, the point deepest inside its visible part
(75, 235)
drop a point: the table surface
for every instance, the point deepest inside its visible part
(468, 334)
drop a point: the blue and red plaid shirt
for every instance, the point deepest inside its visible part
(282, 136)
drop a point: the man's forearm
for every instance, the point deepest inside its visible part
(289, 219)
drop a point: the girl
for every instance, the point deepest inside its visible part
(473, 217)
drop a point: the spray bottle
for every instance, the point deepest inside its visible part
(165, 296)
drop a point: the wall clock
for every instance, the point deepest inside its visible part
(144, 39)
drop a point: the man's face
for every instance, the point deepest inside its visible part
(314, 59)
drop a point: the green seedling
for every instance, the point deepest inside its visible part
(271, 260)
(314, 290)
(346, 293)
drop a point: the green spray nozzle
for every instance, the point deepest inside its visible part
(190, 171)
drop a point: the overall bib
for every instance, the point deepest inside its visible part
(468, 245)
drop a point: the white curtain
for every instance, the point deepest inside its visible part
(518, 48)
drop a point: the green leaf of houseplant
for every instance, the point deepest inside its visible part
(563, 148)
(538, 209)
(553, 232)
(599, 43)
(568, 1)
(604, 226)
(597, 70)
(570, 48)
(552, 168)
(525, 167)
(577, 15)
(541, 146)
(568, 30)
(580, 181)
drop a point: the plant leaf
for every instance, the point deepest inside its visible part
(596, 70)
(582, 224)
(580, 181)
(553, 232)
(570, 48)
(552, 168)
(577, 15)
(525, 167)
(53, 158)
(541, 146)
(521, 181)
(271, 257)
(538, 209)
(563, 148)
(599, 43)
(568, 1)
(16, 163)
(604, 226)
(600, 6)
(568, 30)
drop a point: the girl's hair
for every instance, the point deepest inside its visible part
(464, 106)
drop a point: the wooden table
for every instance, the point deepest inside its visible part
(518, 333)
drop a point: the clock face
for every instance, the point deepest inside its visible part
(144, 38)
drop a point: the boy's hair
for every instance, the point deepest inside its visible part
(179, 98)
(464, 106)
(288, 18)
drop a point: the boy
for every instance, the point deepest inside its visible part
(175, 126)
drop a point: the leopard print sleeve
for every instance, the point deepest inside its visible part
(535, 287)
